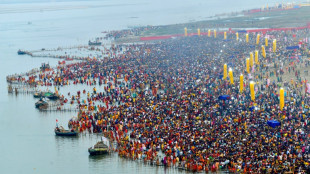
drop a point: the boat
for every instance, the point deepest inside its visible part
(62, 132)
(20, 52)
(99, 148)
(38, 95)
(96, 43)
(41, 104)
(51, 96)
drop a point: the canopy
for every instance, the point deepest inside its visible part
(224, 97)
(242, 31)
(47, 94)
(292, 47)
(273, 123)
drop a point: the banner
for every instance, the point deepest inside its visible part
(308, 88)
(292, 47)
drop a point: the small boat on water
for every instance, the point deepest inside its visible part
(60, 131)
(38, 95)
(41, 104)
(95, 43)
(21, 52)
(51, 96)
(99, 148)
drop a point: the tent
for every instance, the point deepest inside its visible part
(224, 97)
(273, 123)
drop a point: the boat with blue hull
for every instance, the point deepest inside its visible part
(21, 52)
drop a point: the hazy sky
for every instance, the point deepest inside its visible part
(224, 1)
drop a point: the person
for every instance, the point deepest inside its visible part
(56, 123)
(57, 129)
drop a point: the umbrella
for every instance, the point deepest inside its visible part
(273, 123)
(224, 97)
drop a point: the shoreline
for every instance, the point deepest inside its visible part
(263, 20)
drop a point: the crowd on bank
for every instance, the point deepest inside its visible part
(160, 102)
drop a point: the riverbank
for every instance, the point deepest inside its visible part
(269, 19)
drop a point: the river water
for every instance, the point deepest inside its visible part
(27, 140)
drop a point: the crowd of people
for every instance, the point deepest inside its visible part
(135, 31)
(160, 102)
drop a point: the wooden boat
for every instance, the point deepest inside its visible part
(63, 132)
(38, 95)
(98, 149)
(96, 43)
(51, 96)
(21, 52)
(41, 103)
